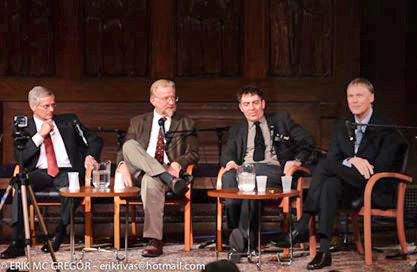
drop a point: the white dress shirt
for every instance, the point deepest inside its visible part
(153, 140)
(59, 147)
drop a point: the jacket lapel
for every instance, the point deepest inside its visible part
(368, 134)
(244, 137)
(147, 129)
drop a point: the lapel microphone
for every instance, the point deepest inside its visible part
(350, 127)
(80, 131)
(161, 123)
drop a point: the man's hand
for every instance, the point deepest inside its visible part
(289, 165)
(231, 165)
(174, 169)
(90, 162)
(364, 167)
(127, 178)
(47, 127)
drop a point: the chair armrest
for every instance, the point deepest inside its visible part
(300, 181)
(190, 169)
(219, 179)
(87, 179)
(377, 177)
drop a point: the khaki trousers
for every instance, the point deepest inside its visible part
(152, 188)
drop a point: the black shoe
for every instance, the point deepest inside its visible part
(357, 204)
(56, 242)
(321, 260)
(177, 185)
(296, 236)
(235, 256)
(14, 250)
(185, 176)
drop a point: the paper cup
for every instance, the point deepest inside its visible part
(74, 182)
(286, 183)
(119, 184)
(261, 183)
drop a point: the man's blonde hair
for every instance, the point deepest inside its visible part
(364, 82)
(37, 93)
(161, 83)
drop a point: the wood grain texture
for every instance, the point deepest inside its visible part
(116, 37)
(301, 38)
(27, 38)
(209, 37)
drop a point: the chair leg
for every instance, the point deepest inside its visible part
(357, 234)
(219, 225)
(368, 239)
(32, 224)
(312, 234)
(88, 236)
(401, 233)
(187, 227)
(116, 223)
(133, 225)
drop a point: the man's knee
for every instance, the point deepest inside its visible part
(128, 146)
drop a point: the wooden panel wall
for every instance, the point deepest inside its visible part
(110, 51)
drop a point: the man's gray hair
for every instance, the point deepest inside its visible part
(37, 93)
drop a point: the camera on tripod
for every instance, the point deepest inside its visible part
(20, 137)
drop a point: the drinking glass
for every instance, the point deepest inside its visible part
(101, 175)
(246, 177)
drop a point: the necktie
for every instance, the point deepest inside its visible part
(358, 135)
(50, 157)
(259, 152)
(159, 152)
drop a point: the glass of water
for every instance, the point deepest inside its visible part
(246, 177)
(101, 175)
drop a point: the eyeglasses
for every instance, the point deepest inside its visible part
(45, 107)
(169, 99)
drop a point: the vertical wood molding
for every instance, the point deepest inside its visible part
(255, 42)
(163, 37)
(69, 56)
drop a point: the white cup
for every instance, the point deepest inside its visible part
(261, 183)
(119, 184)
(74, 182)
(286, 183)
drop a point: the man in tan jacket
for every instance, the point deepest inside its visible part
(158, 161)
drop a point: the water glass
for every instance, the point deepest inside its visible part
(286, 183)
(74, 182)
(101, 175)
(246, 177)
(261, 183)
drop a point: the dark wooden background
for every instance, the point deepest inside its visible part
(100, 57)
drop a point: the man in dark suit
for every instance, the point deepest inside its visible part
(54, 149)
(354, 156)
(273, 143)
(156, 161)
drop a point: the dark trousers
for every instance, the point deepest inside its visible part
(41, 181)
(241, 213)
(331, 183)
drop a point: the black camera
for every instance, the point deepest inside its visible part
(20, 122)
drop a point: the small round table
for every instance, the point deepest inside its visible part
(269, 194)
(97, 193)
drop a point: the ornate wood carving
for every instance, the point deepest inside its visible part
(116, 37)
(301, 37)
(26, 38)
(209, 37)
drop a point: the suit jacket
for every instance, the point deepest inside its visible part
(382, 147)
(74, 145)
(298, 147)
(182, 148)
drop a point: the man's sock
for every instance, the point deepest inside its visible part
(302, 225)
(324, 245)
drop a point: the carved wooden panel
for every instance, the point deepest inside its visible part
(209, 37)
(26, 38)
(116, 37)
(301, 37)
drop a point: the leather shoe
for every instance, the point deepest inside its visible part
(357, 204)
(14, 250)
(321, 260)
(56, 243)
(185, 176)
(179, 186)
(296, 236)
(153, 249)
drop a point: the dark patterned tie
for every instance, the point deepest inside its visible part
(259, 152)
(159, 152)
(53, 169)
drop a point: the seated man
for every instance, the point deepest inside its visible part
(54, 149)
(158, 162)
(258, 139)
(351, 161)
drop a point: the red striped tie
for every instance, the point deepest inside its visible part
(159, 153)
(50, 157)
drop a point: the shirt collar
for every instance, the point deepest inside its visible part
(365, 120)
(262, 121)
(157, 116)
